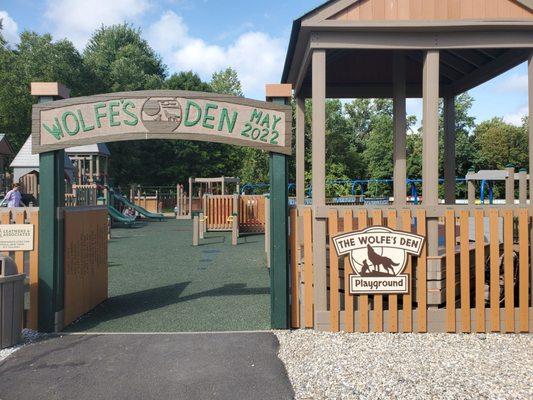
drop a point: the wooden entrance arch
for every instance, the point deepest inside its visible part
(59, 123)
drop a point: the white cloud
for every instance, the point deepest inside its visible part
(77, 19)
(516, 117)
(513, 83)
(9, 28)
(256, 56)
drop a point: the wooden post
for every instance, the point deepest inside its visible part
(201, 228)
(195, 230)
(449, 150)
(522, 186)
(51, 244)
(400, 130)
(300, 150)
(234, 229)
(471, 189)
(279, 225)
(190, 196)
(430, 161)
(509, 185)
(319, 178)
(223, 186)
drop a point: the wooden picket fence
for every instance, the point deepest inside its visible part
(27, 261)
(251, 211)
(499, 252)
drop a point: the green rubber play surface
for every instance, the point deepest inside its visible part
(158, 282)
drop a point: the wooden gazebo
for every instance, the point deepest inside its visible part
(429, 49)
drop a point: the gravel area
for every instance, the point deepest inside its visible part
(407, 366)
(28, 336)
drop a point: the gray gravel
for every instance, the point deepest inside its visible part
(28, 336)
(407, 366)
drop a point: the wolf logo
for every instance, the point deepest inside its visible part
(378, 261)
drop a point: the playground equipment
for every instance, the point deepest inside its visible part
(142, 211)
(191, 200)
(82, 195)
(489, 177)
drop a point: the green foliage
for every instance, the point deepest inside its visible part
(226, 82)
(186, 81)
(36, 59)
(122, 60)
(497, 144)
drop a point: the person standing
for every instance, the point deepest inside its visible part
(14, 196)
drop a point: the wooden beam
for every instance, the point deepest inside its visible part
(449, 149)
(508, 60)
(300, 150)
(400, 129)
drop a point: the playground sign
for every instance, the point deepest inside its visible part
(161, 115)
(16, 237)
(378, 256)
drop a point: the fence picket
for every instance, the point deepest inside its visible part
(378, 298)
(480, 270)
(407, 298)
(523, 222)
(508, 273)
(421, 273)
(308, 268)
(465, 270)
(349, 324)
(295, 281)
(494, 282)
(393, 298)
(333, 272)
(362, 220)
(450, 270)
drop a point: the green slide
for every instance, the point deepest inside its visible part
(119, 217)
(144, 212)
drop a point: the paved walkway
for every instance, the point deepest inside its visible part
(158, 282)
(176, 366)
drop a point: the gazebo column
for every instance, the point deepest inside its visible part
(319, 178)
(300, 150)
(430, 152)
(400, 128)
(449, 150)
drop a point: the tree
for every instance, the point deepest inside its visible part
(227, 82)
(36, 58)
(122, 60)
(497, 144)
(186, 81)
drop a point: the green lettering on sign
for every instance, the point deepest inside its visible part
(207, 117)
(113, 113)
(266, 121)
(99, 115)
(56, 130)
(256, 116)
(224, 117)
(134, 119)
(276, 120)
(190, 104)
(76, 129)
(84, 128)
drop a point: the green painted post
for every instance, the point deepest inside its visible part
(51, 198)
(279, 250)
(51, 244)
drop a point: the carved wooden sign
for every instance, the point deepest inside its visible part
(161, 115)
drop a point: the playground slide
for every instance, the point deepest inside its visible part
(119, 217)
(144, 212)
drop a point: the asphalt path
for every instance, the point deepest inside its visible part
(227, 365)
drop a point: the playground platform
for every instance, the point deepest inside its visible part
(158, 282)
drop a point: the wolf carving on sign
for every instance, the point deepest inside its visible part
(378, 256)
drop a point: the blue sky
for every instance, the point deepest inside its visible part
(208, 35)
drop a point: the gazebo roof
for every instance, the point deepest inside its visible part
(25, 158)
(5, 146)
(95, 149)
(476, 43)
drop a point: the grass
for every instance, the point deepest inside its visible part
(158, 282)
